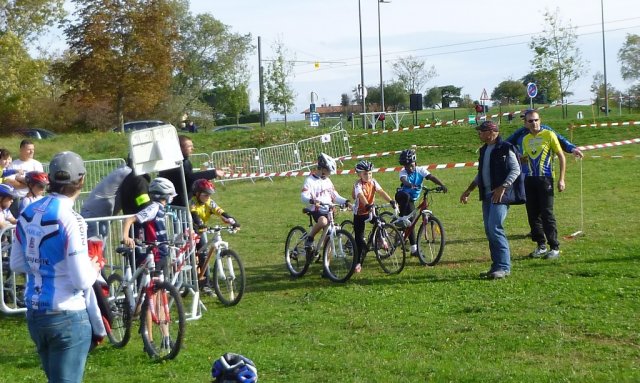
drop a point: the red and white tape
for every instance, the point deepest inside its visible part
(608, 124)
(610, 144)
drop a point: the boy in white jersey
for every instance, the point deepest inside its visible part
(317, 190)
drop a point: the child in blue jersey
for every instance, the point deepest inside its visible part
(152, 218)
(411, 178)
(6, 199)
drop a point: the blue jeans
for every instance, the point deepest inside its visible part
(62, 340)
(493, 216)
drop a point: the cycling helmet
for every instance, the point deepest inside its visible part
(7, 191)
(203, 186)
(232, 367)
(326, 162)
(407, 157)
(162, 188)
(36, 178)
(364, 166)
(66, 168)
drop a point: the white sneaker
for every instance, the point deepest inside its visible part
(553, 254)
(538, 252)
(402, 222)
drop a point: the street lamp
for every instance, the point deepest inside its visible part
(380, 50)
(364, 108)
(604, 59)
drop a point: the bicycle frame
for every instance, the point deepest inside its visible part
(421, 211)
(217, 246)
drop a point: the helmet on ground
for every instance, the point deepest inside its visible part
(162, 188)
(326, 162)
(7, 191)
(407, 157)
(364, 166)
(203, 186)
(36, 178)
(232, 367)
(66, 168)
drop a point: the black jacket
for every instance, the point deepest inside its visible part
(173, 175)
(499, 169)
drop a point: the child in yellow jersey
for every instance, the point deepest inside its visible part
(202, 207)
(364, 192)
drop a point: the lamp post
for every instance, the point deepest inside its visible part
(604, 59)
(380, 50)
(364, 108)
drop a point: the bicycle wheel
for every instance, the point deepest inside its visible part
(347, 225)
(162, 322)
(119, 331)
(431, 240)
(228, 278)
(295, 256)
(339, 255)
(388, 244)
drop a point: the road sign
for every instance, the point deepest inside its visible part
(484, 96)
(315, 119)
(532, 89)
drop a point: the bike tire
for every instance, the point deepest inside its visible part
(347, 225)
(339, 265)
(163, 340)
(228, 278)
(295, 255)
(431, 241)
(390, 250)
(119, 331)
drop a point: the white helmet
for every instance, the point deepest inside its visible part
(326, 162)
(162, 188)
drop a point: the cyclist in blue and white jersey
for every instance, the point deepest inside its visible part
(51, 248)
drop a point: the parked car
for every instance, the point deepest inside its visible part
(139, 125)
(36, 133)
(227, 128)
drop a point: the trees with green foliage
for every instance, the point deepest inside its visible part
(278, 91)
(597, 89)
(555, 50)
(450, 94)
(509, 92)
(412, 74)
(629, 58)
(433, 98)
(395, 96)
(547, 84)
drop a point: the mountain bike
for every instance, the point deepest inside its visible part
(431, 236)
(158, 305)
(227, 269)
(337, 246)
(385, 240)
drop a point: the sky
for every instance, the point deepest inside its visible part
(472, 44)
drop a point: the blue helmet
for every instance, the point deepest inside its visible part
(7, 191)
(232, 367)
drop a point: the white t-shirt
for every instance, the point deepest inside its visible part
(29, 165)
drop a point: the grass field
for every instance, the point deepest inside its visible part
(574, 320)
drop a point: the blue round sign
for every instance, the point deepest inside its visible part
(532, 89)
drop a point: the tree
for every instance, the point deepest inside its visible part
(26, 20)
(233, 101)
(345, 100)
(450, 93)
(278, 91)
(433, 98)
(555, 50)
(123, 53)
(395, 97)
(412, 74)
(629, 58)
(597, 88)
(509, 91)
(547, 84)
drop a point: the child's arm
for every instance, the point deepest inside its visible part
(436, 181)
(126, 229)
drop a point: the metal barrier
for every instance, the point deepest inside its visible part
(280, 158)
(11, 284)
(334, 144)
(200, 160)
(237, 161)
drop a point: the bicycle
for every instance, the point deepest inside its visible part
(227, 269)
(384, 240)
(431, 235)
(338, 247)
(158, 304)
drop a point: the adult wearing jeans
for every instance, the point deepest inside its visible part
(498, 171)
(50, 246)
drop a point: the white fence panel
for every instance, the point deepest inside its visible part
(334, 144)
(280, 158)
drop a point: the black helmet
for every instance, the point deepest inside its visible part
(407, 157)
(364, 166)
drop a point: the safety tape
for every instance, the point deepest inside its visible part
(453, 165)
(607, 124)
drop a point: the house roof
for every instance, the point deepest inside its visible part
(331, 109)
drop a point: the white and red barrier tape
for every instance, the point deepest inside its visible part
(608, 124)
(398, 168)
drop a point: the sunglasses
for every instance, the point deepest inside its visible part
(533, 120)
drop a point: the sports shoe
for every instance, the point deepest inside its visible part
(207, 290)
(358, 268)
(553, 254)
(415, 254)
(402, 222)
(496, 274)
(538, 252)
(308, 244)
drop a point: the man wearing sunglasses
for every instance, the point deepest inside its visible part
(539, 148)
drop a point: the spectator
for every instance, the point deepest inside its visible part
(7, 175)
(60, 273)
(498, 170)
(173, 175)
(191, 127)
(25, 163)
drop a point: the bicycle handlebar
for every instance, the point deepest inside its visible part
(212, 229)
(438, 189)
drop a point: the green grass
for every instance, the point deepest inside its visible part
(573, 320)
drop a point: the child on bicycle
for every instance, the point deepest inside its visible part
(318, 190)
(202, 207)
(364, 191)
(152, 218)
(36, 183)
(7, 193)
(411, 178)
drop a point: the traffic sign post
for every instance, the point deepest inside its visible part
(314, 119)
(532, 91)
